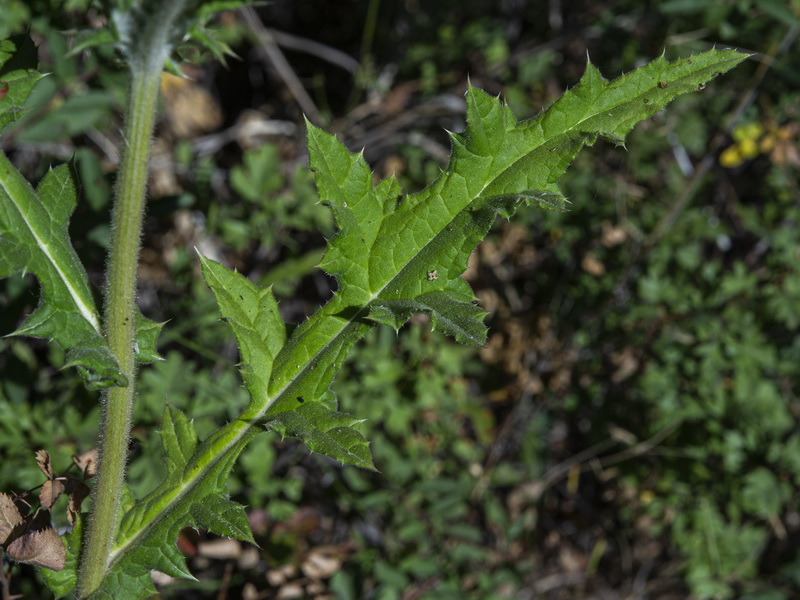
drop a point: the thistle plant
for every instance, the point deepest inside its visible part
(394, 255)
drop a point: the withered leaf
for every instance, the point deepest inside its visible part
(10, 517)
(50, 492)
(86, 462)
(76, 498)
(43, 461)
(41, 548)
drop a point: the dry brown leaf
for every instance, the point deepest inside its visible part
(321, 563)
(572, 560)
(40, 548)
(10, 517)
(291, 591)
(86, 462)
(280, 575)
(626, 362)
(191, 110)
(220, 549)
(612, 235)
(50, 492)
(43, 462)
(592, 265)
(76, 498)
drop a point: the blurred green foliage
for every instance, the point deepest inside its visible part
(691, 341)
(268, 216)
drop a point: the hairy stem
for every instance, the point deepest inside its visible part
(126, 223)
(147, 34)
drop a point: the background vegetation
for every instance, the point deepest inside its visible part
(631, 427)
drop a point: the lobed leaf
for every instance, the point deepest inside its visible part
(397, 255)
(193, 494)
(325, 431)
(252, 313)
(452, 315)
(393, 256)
(34, 237)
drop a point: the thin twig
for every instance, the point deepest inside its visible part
(273, 53)
(321, 51)
(642, 447)
(582, 459)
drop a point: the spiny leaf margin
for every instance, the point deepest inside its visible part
(193, 494)
(34, 238)
(391, 252)
(252, 313)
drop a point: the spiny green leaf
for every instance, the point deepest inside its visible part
(325, 431)
(394, 255)
(193, 494)
(34, 237)
(147, 332)
(207, 38)
(252, 313)
(460, 318)
(18, 62)
(223, 517)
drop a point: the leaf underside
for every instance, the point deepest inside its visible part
(394, 255)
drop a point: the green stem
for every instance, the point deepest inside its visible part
(147, 34)
(126, 225)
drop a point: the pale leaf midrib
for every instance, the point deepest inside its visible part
(86, 311)
(360, 313)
